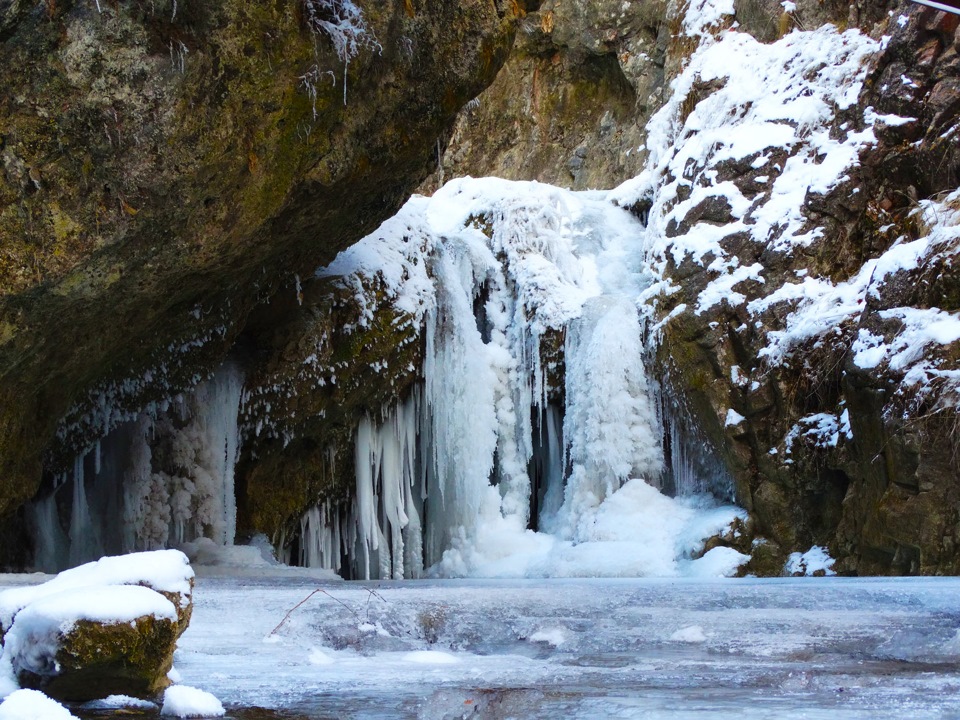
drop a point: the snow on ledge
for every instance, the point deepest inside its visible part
(814, 560)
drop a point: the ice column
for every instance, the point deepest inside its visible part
(610, 426)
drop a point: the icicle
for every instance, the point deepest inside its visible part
(552, 468)
(50, 542)
(84, 539)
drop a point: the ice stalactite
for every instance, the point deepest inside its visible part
(547, 469)
(690, 466)
(84, 534)
(158, 481)
(381, 533)
(51, 544)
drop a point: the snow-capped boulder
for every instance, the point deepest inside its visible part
(108, 627)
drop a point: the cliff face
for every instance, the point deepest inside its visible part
(173, 176)
(571, 105)
(804, 366)
(843, 403)
(166, 167)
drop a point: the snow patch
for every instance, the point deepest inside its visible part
(32, 705)
(815, 560)
(689, 634)
(430, 657)
(554, 637)
(183, 701)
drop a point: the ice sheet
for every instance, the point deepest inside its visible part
(830, 648)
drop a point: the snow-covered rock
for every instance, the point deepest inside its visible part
(106, 628)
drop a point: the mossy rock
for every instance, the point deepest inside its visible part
(165, 169)
(91, 642)
(94, 660)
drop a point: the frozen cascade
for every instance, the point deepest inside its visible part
(84, 538)
(611, 427)
(168, 476)
(507, 474)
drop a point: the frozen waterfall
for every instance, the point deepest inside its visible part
(506, 462)
(533, 445)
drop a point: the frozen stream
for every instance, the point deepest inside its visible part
(784, 648)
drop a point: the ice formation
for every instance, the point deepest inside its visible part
(168, 476)
(503, 462)
(536, 444)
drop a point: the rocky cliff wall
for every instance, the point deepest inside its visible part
(827, 444)
(166, 167)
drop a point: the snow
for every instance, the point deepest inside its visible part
(163, 570)
(553, 636)
(820, 306)
(701, 14)
(766, 99)
(814, 560)
(183, 701)
(206, 553)
(430, 657)
(689, 634)
(733, 418)
(32, 705)
(637, 531)
(8, 681)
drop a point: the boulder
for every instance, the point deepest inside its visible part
(93, 642)
(105, 628)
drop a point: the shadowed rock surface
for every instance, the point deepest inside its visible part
(166, 167)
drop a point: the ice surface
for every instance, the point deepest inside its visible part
(118, 702)
(790, 648)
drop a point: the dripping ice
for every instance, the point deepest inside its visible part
(500, 467)
(161, 480)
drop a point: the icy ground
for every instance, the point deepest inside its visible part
(573, 648)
